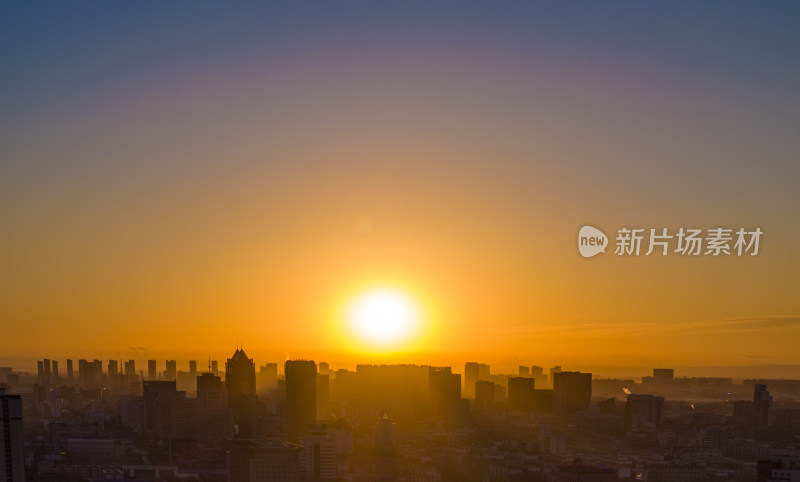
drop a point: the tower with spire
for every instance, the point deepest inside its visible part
(240, 377)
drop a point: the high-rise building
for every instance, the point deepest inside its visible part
(267, 377)
(323, 395)
(537, 373)
(160, 411)
(324, 368)
(12, 462)
(240, 377)
(473, 372)
(484, 394)
(171, 370)
(90, 373)
(521, 394)
(762, 406)
(193, 367)
(444, 393)
(69, 370)
(130, 370)
(319, 453)
(113, 372)
(214, 367)
(301, 397)
(661, 375)
(55, 371)
(385, 434)
(524, 371)
(152, 371)
(572, 391)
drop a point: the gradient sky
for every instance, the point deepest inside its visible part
(181, 175)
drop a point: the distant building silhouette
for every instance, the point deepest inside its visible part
(521, 394)
(572, 391)
(267, 377)
(473, 372)
(152, 372)
(171, 370)
(444, 391)
(301, 397)
(385, 434)
(240, 377)
(484, 394)
(762, 406)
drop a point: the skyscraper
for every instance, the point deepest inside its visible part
(521, 394)
(444, 391)
(240, 377)
(267, 377)
(69, 370)
(762, 406)
(152, 372)
(473, 372)
(301, 397)
(12, 463)
(171, 371)
(113, 373)
(572, 391)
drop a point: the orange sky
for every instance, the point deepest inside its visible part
(248, 192)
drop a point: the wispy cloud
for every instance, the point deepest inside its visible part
(645, 328)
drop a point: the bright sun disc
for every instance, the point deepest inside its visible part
(383, 316)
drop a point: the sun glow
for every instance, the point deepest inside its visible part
(383, 316)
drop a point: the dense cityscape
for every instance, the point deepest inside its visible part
(302, 421)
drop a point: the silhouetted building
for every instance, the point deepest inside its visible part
(662, 375)
(130, 371)
(521, 394)
(644, 411)
(385, 434)
(55, 371)
(160, 410)
(171, 370)
(112, 369)
(12, 461)
(473, 372)
(90, 373)
(762, 406)
(69, 371)
(301, 397)
(524, 371)
(267, 377)
(152, 372)
(444, 392)
(323, 395)
(193, 367)
(484, 394)
(240, 377)
(572, 391)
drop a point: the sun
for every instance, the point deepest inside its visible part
(383, 316)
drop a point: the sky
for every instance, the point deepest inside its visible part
(180, 176)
